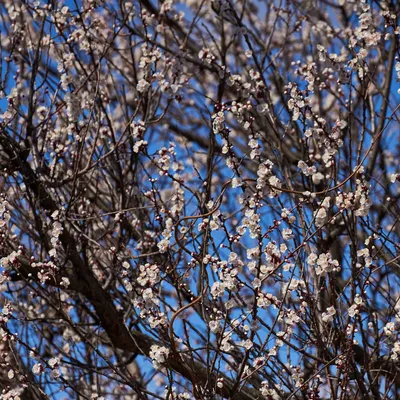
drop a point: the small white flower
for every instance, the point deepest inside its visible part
(65, 282)
(389, 329)
(247, 344)
(393, 178)
(53, 362)
(353, 310)
(38, 369)
(236, 182)
(163, 245)
(139, 145)
(213, 225)
(328, 315)
(256, 283)
(214, 326)
(317, 178)
(287, 234)
(142, 86)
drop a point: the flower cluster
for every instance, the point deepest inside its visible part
(56, 232)
(159, 355)
(323, 263)
(329, 314)
(228, 272)
(297, 100)
(4, 213)
(359, 201)
(356, 307)
(149, 275)
(321, 213)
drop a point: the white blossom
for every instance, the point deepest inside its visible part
(159, 355)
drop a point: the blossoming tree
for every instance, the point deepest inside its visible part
(199, 199)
